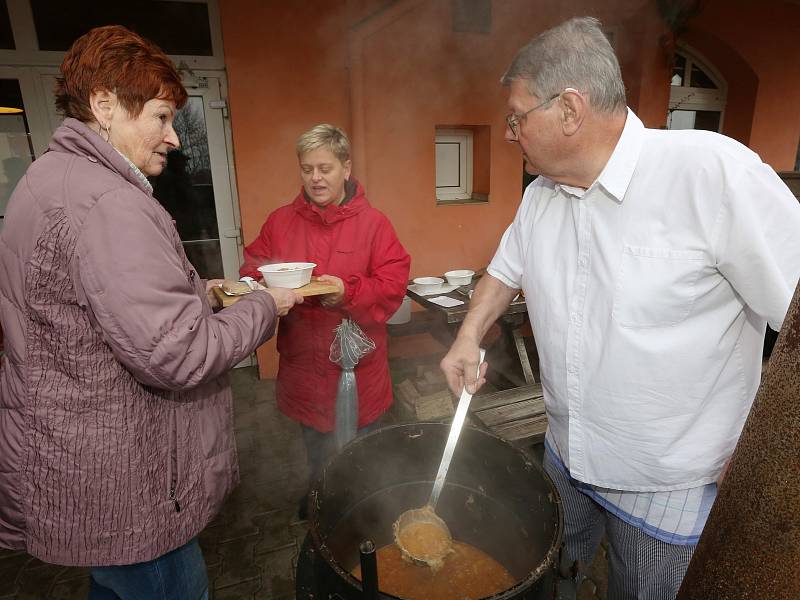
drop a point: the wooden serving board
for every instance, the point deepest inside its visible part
(315, 288)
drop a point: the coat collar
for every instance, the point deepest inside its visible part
(333, 214)
(75, 137)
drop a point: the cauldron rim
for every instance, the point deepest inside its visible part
(549, 560)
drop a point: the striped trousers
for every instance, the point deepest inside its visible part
(640, 566)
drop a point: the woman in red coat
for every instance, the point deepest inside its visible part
(354, 246)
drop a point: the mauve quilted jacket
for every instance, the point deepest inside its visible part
(116, 428)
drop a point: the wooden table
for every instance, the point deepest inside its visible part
(515, 414)
(514, 317)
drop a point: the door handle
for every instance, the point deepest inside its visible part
(233, 232)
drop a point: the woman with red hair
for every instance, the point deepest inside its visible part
(116, 438)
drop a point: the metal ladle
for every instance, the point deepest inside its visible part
(440, 541)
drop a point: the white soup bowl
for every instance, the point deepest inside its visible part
(287, 275)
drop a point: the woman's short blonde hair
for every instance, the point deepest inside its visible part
(325, 136)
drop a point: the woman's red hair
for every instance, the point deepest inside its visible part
(118, 60)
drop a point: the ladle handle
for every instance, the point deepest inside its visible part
(452, 439)
(369, 570)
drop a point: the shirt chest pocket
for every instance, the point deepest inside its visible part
(656, 286)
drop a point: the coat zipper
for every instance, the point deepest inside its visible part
(173, 461)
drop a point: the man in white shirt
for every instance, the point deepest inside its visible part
(651, 262)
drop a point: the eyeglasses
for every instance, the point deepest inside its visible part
(513, 120)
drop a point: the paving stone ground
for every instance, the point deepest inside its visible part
(251, 548)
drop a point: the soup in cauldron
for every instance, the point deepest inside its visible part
(467, 574)
(496, 499)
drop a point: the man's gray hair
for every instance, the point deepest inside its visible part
(574, 54)
(324, 136)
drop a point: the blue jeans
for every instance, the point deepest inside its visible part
(177, 575)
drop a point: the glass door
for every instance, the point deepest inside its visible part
(16, 151)
(21, 125)
(197, 186)
(186, 188)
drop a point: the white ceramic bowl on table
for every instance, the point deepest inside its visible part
(459, 277)
(287, 275)
(428, 285)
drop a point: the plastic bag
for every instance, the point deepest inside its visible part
(349, 345)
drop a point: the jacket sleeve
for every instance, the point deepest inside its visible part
(134, 284)
(258, 252)
(375, 296)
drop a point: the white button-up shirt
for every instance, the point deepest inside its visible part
(649, 294)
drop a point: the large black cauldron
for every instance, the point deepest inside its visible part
(495, 499)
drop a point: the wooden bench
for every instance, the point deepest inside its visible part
(516, 415)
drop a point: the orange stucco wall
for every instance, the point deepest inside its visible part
(286, 65)
(741, 98)
(415, 73)
(391, 72)
(763, 36)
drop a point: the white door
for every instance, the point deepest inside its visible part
(197, 187)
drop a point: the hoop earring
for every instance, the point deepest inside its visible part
(108, 132)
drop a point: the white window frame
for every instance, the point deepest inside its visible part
(463, 191)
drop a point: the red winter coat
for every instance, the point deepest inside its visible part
(356, 243)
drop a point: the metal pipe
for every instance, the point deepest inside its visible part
(750, 547)
(369, 570)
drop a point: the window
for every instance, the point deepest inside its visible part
(462, 164)
(6, 36)
(179, 28)
(453, 164)
(697, 94)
